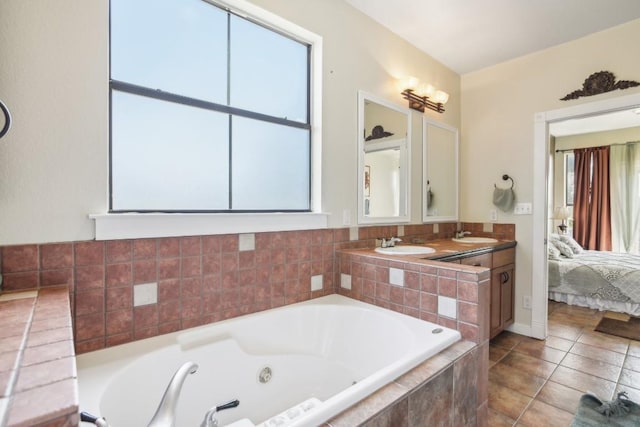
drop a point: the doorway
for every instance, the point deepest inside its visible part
(541, 210)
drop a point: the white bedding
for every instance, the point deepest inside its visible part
(601, 280)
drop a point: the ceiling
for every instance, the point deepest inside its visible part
(468, 35)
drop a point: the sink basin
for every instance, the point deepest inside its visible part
(469, 239)
(406, 250)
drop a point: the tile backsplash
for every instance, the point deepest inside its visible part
(198, 279)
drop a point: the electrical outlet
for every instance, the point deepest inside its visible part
(526, 302)
(493, 215)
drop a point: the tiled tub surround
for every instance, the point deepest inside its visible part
(441, 391)
(37, 364)
(199, 279)
(453, 295)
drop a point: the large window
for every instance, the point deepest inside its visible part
(210, 111)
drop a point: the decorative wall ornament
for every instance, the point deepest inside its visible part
(378, 132)
(600, 82)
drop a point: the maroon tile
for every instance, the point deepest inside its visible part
(119, 298)
(168, 290)
(211, 264)
(229, 261)
(247, 295)
(145, 316)
(89, 302)
(169, 268)
(45, 373)
(396, 295)
(58, 399)
(263, 241)
(169, 247)
(428, 302)
(246, 259)
(468, 291)
(56, 256)
(468, 312)
(89, 327)
(118, 339)
(20, 281)
(89, 345)
(89, 277)
(191, 307)
(211, 282)
(145, 271)
(230, 280)
(119, 251)
(119, 321)
(190, 246)
(211, 244)
(19, 258)
(56, 277)
(447, 287)
(229, 243)
(89, 253)
(169, 311)
(191, 266)
(191, 287)
(246, 277)
(119, 275)
(144, 249)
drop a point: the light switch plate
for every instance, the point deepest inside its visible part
(523, 209)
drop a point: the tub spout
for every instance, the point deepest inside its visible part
(166, 413)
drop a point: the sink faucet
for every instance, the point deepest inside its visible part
(460, 234)
(390, 242)
(166, 412)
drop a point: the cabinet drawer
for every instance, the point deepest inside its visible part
(504, 257)
(483, 260)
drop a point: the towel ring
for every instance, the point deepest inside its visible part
(7, 119)
(506, 177)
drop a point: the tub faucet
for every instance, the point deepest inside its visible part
(166, 413)
(209, 421)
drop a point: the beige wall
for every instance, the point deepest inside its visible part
(54, 78)
(497, 135)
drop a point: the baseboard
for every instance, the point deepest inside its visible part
(534, 331)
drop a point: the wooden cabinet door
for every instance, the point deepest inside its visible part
(502, 299)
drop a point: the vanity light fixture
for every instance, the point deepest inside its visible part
(423, 95)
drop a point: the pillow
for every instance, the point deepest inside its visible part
(564, 249)
(552, 251)
(575, 246)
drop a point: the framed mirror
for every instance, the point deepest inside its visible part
(439, 172)
(384, 144)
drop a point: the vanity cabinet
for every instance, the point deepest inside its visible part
(502, 265)
(502, 291)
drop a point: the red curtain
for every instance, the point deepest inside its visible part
(591, 209)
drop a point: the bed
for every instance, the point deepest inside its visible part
(601, 280)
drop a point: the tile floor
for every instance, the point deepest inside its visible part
(539, 383)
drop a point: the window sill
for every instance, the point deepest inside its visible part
(150, 225)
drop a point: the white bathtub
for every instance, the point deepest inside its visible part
(334, 349)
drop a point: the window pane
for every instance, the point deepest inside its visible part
(167, 156)
(569, 178)
(175, 46)
(270, 165)
(268, 71)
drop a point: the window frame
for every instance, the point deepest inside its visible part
(121, 225)
(173, 98)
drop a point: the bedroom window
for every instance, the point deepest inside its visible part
(210, 111)
(569, 178)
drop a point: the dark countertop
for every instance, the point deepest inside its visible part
(446, 250)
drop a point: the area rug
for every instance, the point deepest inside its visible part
(622, 412)
(620, 325)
